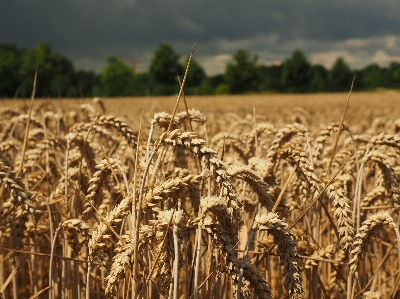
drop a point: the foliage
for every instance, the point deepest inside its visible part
(195, 77)
(242, 75)
(222, 89)
(87, 82)
(55, 72)
(296, 73)
(10, 58)
(393, 75)
(57, 76)
(140, 84)
(164, 69)
(371, 77)
(270, 78)
(116, 78)
(319, 79)
(206, 88)
(340, 76)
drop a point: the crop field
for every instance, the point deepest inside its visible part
(252, 196)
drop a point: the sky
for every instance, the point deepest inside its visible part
(86, 31)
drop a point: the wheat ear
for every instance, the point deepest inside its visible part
(19, 196)
(286, 250)
(296, 155)
(323, 137)
(284, 135)
(342, 214)
(124, 252)
(103, 167)
(362, 237)
(171, 187)
(245, 173)
(216, 222)
(387, 177)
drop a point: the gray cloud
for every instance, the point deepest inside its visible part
(87, 31)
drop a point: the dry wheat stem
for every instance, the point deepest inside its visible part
(21, 163)
(176, 261)
(381, 263)
(182, 85)
(341, 125)
(186, 107)
(134, 204)
(252, 233)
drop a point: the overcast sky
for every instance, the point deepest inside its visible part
(86, 31)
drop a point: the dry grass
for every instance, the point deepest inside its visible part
(224, 203)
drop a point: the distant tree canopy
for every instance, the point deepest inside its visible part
(55, 72)
(10, 60)
(242, 75)
(116, 78)
(319, 78)
(164, 70)
(196, 78)
(57, 76)
(296, 73)
(372, 77)
(340, 76)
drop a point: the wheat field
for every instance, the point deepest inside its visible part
(252, 196)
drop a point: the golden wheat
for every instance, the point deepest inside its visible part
(223, 204)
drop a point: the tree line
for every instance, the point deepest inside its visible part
(57, 76)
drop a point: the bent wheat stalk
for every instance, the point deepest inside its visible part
(362, 237)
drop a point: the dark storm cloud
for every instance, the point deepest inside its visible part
(89, 30)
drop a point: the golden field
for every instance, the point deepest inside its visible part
(250, 196)
(324, 107)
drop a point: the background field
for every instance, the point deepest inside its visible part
(323, 108)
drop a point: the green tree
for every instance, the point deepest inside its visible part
(371, 77)
(210, 85)
(296, 73)
(194, 78)
(222, 88)
(55, 72)
(216, 80)
(163, 70)
(319, 78)
(10, 61)
(140, 85)
(86, 83)
(340, 76)
(116, 78)
(242, 75)
(270, 78)
(206, 88)
(394, 75)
